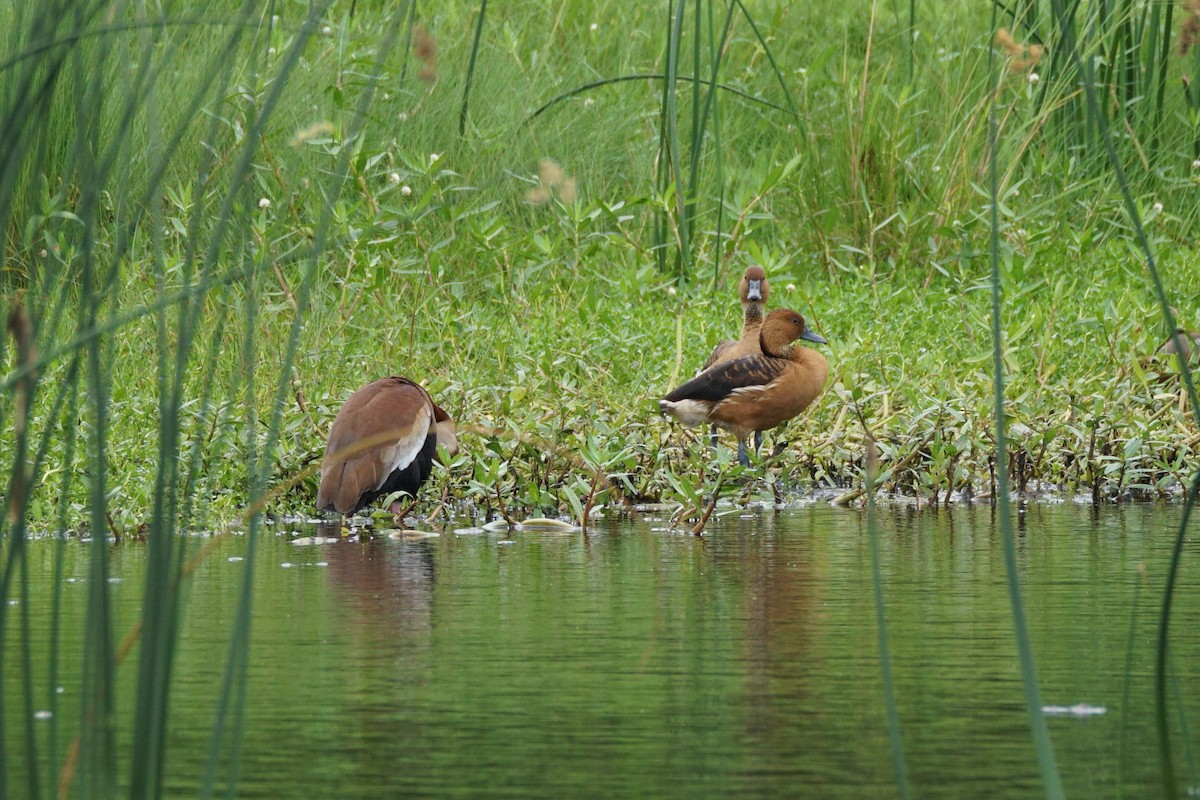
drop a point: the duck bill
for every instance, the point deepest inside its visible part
(812, 337)
(754, 290)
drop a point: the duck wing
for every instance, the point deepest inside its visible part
(717, 383)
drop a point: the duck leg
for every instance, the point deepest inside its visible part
(712, 437)
(743, 458)
(757, 441)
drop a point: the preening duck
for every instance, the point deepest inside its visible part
(383, 440)
(755, 392)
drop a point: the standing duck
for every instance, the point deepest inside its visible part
(383, 440)
(754, 393)
(753, 291)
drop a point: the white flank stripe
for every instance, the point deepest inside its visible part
(689, 412)
(402, 453)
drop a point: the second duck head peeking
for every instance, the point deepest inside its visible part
(753, 291)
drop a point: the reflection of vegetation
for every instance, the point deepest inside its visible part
(214, 227)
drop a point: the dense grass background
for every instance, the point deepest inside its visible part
(216, 225)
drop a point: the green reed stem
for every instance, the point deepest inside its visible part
(697, 128)
(462, 113)
(60, 552)
(233, 680)
(762, 41)
(713, 107)
(1051, 781)
(1126, 684)
(885, 650)
(669, 148)
(1166, 761)
(1185, 732)
(650, 76)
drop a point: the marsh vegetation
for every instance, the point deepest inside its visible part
(217, 224)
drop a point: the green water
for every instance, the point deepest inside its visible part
(641, 663)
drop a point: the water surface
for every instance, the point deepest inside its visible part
(641, 663)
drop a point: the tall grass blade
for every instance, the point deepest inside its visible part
(1127, 683)
(1161, 62)
(669, 148)
(712, 107)
(787, 94)
(1051, 781)
(656, 77)
(471, 60)
(1166, 760)
(885, 650)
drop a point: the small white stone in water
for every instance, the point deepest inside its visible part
(321, 564)
(287, 565)
(412, 534)
(14, 602)
(472, 531)
(506, 541)
(235, 559)
(43, 714)
(1077, 710)
(72, 580)
(305, 541)
(545, 523)
(59, 690)
(116, 580)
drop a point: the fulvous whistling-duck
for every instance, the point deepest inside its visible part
(383, 440)
(753, 291)
(755, 392)
(1183, 342)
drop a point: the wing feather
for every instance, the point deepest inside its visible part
(717, 383)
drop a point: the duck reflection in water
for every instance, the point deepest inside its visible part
(384, 584)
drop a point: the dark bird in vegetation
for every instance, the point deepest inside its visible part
(755, 392)
(383, 440)
(753, 291)
(1182, 342)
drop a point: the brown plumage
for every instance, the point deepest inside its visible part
(383, 440)
(753, 291)
(1183, 342)
(756, 392)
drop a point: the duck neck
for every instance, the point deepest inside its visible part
(770, 345)
(752, 318)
